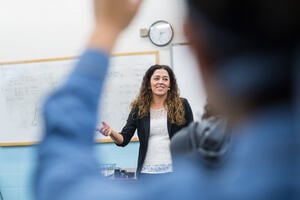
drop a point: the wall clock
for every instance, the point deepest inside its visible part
(161, 33)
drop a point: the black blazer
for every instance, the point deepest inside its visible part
(142, 125)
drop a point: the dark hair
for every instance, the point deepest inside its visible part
(173, 102)
(268, 23)
(253, 44)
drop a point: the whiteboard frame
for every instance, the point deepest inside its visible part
(102, 140)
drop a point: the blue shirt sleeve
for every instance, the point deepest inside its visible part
(67, 167)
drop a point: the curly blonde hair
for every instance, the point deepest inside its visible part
(173, 103)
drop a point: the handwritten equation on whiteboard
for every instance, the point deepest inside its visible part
(22, 90)
(24, 86)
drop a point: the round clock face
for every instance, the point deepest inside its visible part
(161, 33)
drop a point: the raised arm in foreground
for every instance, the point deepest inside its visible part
(67, 167)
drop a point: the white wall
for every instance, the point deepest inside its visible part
(34, 29)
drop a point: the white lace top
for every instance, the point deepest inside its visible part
(158, 157)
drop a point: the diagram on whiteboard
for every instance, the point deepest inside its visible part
(23, 87)
(22, 90)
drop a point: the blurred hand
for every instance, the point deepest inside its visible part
(105, 129)
(111, 18)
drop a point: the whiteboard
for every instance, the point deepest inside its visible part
(188, 78)
(25, 84)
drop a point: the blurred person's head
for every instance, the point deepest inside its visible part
(244, 50)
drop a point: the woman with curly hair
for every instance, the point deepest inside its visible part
(157, 114)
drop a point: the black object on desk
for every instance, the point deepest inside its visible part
(123, 174)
